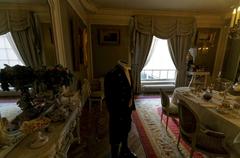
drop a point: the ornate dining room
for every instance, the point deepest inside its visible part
(183, 78)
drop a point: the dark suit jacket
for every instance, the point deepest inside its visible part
(118, 92)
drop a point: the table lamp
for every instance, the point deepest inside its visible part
(193, 52)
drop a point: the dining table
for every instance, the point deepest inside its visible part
(221, 113)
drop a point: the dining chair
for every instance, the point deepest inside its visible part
(96, 92)
(168, 109)
(197, 136)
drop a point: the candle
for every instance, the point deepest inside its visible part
(237, 15)
(219, 74)
(233, 17)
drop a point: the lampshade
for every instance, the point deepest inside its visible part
(193, 52)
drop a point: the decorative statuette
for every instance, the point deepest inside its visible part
(8, 137)
(236, 87)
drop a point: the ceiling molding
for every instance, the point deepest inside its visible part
(110, 16)
(109, 19)
(89, 6)
(202, 21)
(155, 12)
(203, 6)
(79, 9)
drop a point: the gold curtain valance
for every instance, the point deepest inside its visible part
(165, 26)
(13, 20)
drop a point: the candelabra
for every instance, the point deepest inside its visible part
(234, 31)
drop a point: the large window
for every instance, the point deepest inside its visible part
(159, 65)
(8, 52)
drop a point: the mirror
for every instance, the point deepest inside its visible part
(231, 64)
(40, 11)
(207, 42)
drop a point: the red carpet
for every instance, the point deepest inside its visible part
(143, 136)
(155, 140)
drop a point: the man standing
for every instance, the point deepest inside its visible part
(120, 103)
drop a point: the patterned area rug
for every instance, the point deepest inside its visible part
(157, 142)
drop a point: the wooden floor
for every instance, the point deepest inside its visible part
(94, 136)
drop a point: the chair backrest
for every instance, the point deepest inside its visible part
(85, 91)
(164, 99)
(210, 144)
(101, 80)
(189, 121)
(96, 84)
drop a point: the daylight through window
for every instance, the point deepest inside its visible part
(159, 65)
(8, 52)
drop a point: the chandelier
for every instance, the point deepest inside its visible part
(203, 49)
(234, 31)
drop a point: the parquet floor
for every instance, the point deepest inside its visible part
(94, 136)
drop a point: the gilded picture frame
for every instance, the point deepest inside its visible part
(206, 37)
(109, 36)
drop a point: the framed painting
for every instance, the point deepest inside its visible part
(206, 37)
(109, 36)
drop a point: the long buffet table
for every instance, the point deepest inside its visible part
(60, 139)
(60, 133)
(226, 120)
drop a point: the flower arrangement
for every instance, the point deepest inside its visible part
(40, 81)
(22, 77)
(54, 77)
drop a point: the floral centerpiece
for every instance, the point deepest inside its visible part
(53, 78)
(20, 77)
(32, 83)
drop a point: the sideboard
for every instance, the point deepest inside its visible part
(60, 138)
(60, 134)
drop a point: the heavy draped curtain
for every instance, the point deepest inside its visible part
(23, 27)
(178, 30)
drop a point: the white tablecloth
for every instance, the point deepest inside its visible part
(228, 123)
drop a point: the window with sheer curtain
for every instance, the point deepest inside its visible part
(159, 65)
(8, 51)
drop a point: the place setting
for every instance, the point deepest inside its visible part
(226, 103)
